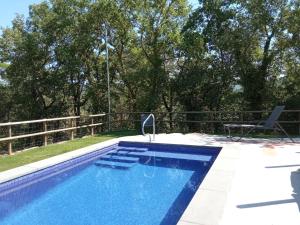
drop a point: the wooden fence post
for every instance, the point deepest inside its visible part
(92, 127)
(72, 131)
(242, 119)
(45, 135)
(10, 141)
(122, 120)
(299, 123)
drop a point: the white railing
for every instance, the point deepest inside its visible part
(153, 125)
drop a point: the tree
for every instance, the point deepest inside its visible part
(36, 86)
(158, 28)
(245, 37)
(223, 55)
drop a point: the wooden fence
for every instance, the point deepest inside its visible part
(204, 121)
(71, 127)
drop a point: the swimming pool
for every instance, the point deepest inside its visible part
(127, 183)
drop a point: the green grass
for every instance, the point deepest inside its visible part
(3, 65)
(21, 158)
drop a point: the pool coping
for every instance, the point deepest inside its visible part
(208, 203)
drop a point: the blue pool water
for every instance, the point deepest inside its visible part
(130, 185)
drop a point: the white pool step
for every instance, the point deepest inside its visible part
(132, 149)
(118, 158)
(170, 155)
(114, 164)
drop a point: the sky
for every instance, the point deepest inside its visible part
(9, 9)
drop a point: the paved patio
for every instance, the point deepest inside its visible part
(254, 181)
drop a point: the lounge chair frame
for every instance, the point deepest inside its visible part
(270, 124)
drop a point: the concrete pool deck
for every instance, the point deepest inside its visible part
(254, 181)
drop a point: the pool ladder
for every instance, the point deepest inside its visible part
(153, 125)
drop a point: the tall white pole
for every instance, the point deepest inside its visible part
(108, 78)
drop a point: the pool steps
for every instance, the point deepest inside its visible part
(170, 155)
(132, 149)
(117, 161)
(114, 164)
(118, 158)
(126, 157)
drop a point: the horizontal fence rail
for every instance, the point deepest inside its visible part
(205, 121)
(42, 128)
(40, 132)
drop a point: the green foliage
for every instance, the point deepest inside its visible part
(164, 57)
(249, 40)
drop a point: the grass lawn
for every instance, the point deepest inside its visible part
(3, 65)
(21, 158)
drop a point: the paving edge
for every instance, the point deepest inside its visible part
(208, 203)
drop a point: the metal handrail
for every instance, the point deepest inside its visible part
(153, 125)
